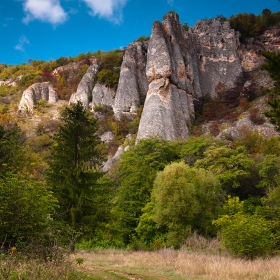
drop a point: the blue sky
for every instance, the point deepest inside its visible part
(49, 29)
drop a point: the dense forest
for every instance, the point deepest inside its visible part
(54, 195)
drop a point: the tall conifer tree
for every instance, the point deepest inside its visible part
(73, 170)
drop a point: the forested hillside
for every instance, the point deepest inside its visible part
(55, 194)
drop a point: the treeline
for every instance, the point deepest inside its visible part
(158, 194)
(251, 26)
(66, 81)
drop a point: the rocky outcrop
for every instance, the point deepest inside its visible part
(219, 64)
(169, 104)
(11, 82)
(133, 83)
(111, 161)
(107, 136)
(244, 125)
(85, 86)
(70, 68)
(36, 92)
(102, 95)
(250, 53)
(167, 111)
(182, 66)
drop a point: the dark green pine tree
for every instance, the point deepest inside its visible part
(73, 170)
(12, 145)
(272, 65)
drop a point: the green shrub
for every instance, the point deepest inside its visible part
(142, 39)
(247, 236)
(26, 208)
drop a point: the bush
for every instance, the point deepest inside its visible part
(185, 198)
(256, 117)
(247, 236)
(25, 210)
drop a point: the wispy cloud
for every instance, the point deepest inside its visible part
(170, 2)
(7, 20)
(21, 43)
(108, 9)
(44, 10)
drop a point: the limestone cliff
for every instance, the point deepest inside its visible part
(36, 92)
(85, 86)
(102, 95)
(182, 66)
(220, 68)
(133, 83)
(251, 53)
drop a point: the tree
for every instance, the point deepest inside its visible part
(73, 170)
(135, 175)
(26, 210)
(234, 169)
(244, 235)
(11, 149)
(185, 199)
(272, 66)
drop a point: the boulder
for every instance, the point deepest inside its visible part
(34, 93)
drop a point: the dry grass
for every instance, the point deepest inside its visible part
(18, 265)
(183, 264)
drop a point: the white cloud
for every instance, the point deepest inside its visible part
(21, 43)
(170, 2)
(44, 10)
(108, 9)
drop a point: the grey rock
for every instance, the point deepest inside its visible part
(102, 95)
(133, 83)
(167, 111)
(216, 46)
(107, 136)
(36, 92)
(111, 161)
(245, 124)
(11, 82)
(85, 86)
(70, 68)
(182, 66)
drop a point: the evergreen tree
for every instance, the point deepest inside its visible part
(73, 170)
(11, 150)
(272, 66)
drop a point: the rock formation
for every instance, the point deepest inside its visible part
(182, 66)
(219, 63)
(133, 83)
(102, 95)
(85, 86)
(110, 162)
(11, 82)
(36, 92)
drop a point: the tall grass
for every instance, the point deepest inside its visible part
(29, 266)
(199, 258)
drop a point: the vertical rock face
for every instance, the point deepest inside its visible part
(168, 106)
(182, 66)
(219, 62)
(85, 86)
(36, 92)
(133, 84)
(102, 95)
(166, 111)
